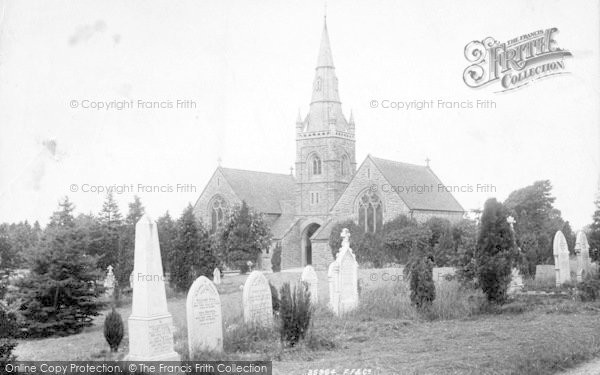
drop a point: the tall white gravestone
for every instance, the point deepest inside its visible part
(256, 300)
(309, 276)
(204, 317)
(582, 249)
(109, 281)
(334, 294)
(217, 276)
(150, 324)
(345, 269)
(562, 267)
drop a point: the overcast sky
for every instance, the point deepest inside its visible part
(248, 67)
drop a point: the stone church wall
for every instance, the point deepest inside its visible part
(216, 185)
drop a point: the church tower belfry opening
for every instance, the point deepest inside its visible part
(325, 144)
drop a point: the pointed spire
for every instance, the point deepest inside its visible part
(351, 120)
(325, 56)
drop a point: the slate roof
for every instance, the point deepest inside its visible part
(282, 225)
(261, 190)
(403, 174)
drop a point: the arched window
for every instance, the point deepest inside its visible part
(345, 166)
(316, 165)
(218, 209)
(370, 212)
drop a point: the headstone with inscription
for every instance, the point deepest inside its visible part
(309, 276)
(204, 317)
(582, 249)
(516, 282)
(332, 277)
(217, 276)
(347, 277)
(257, 302)
(562, 267)
(109, 281)
(150, 324)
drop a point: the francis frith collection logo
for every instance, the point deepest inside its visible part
(515, 63)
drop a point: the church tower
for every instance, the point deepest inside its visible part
(325, 145)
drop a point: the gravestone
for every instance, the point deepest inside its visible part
(217, 276)
(582, 249)
(109, 281)
(150, 324)
(309, 276)
(516, 282)
(257, 302)
(562, 266)
(334, 294)
(345, 270)
(544, 273)
(204, 317)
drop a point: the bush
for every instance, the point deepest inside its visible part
(276, 258)
(274, 298)
(295, 312)
(8, 330)
(113, 330)
(589, 289)
(422, 288)
(496, 252)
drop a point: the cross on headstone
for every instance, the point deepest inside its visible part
(511, 221)
(346, 238)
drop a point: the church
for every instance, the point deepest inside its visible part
(328, 185)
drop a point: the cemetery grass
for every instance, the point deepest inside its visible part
(532, 334)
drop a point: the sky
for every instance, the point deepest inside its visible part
(240, 72)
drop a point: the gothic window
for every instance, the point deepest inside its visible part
(218, 209)
(370, 212)
(316, 165)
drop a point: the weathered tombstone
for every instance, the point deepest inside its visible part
(150, 324)
(345, 270)
(217, 276)
(562, 266)
(544, 273)
(309, 276)
(204, 317)
(109, 281)
(334, 294)
(257, 302)
(582, 249)
(516, 282)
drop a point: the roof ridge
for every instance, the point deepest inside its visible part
(398, 162)
(248, 170)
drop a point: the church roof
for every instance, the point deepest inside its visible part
(325, 57)
(261, 190)
(403, 174)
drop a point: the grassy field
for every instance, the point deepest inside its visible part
(531, 335)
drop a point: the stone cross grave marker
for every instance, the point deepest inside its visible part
(309, 276)
(204, 317)
(582, 249)
(150, 324)
(562, 267)
(257, 302)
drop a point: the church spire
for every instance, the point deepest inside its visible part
(325, 57)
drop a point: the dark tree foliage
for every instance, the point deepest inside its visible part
(192, 254)
(113, 330)
(594, 233)
(441, 241)
(60, 295)
(295, 312)
(408, 243)
(496, 252)
(244, 237)
(167, 232)
(8, 332)
(274, 298)
(536, 223)
(276, 258)
(422, 287)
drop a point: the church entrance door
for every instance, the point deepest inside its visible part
(308, 232)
